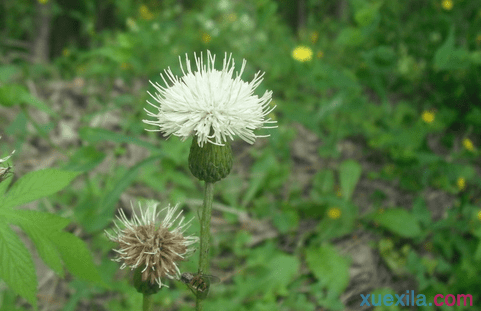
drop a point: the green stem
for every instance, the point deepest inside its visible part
(205, 235)
(147, 303)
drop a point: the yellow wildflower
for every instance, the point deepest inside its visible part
(461, 183)
(428, 116)
(42, 1)
(338, 191)
(145, 13)
(314, 36)
(206, 38)
(468, 144)
(302, 53)
(232, 17)
(334, 213)
(447, 5)
(479, 215)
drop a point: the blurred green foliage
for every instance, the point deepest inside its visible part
(399, 77)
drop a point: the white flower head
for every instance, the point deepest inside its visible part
(155, 246)
(210, 103)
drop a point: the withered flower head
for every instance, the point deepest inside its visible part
(155, 246)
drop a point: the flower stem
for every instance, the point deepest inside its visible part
(205, 235)
(147, 303)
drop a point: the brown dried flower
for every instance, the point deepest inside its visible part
(157, 248)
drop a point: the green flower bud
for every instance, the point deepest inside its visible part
(144, 287)
(211, 162)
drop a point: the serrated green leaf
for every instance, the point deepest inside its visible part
(77, 257)
(16, 265)
(36, 185)
(349, 174)
(41, 229)
(330, 268)
(399, 221)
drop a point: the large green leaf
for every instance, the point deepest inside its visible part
(448, 57)
(40, 228)
(330, 268)
(36, 185)
(349, 174)
(77, 257)
(399, 221)
(16, 264)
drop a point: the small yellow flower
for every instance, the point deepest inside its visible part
(479, 215)
(334, 213)
(232, 17)
(468, 144)
(145, 13)
(206, 38)
(447, 5)
(42, 1)
(320, 54)
(302, 53)
(428, 116)
(314, 36)
(338, 192)
(461, 183)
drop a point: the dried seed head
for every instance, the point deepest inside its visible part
(155, 247)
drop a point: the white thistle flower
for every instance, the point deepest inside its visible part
(210, 104)
(157, 248)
